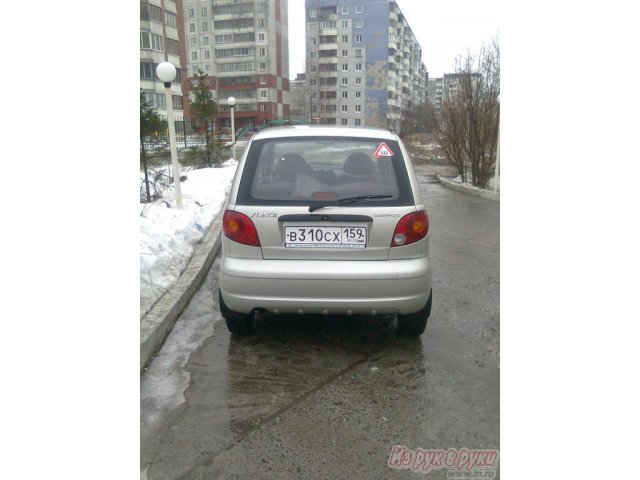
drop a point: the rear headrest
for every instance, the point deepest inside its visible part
(291, 164)
(359, 163)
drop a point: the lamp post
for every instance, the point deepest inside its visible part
(232, 104)
(167, 73)
(497, 179)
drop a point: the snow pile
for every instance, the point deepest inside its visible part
(168, 236)
(490, 184)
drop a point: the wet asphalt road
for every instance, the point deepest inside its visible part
(330, 398)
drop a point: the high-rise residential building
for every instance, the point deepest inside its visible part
(243, 46)
(299, 99)
(161, 28)
(363, 63)
(434, 94)
(445, 88)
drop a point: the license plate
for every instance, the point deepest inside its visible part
(325, 237)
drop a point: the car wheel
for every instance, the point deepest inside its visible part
(237, 323)
(413, 324)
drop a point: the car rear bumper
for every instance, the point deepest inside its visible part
(329, 287)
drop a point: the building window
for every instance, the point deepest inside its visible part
(358, 8)
(313, 55)
(160, 100)
(204, 11)
(358, 80)
(263, 52)
(149, 11)
(204, 26)
(207, 67)
(207, 54)
(177, 102)
(358, 94)
(345, 24)
(171, 19)
(313, 13)
(344, 81)
(314, 82)
(261, 37)
(358, 67)
(357, 122)
(172, 46)
(345, 9)
(263, 93)
(345, 94)
(343, 121)
(313, 68)
(345, 67)
(263, 108)
(263, 80)
(194, 41)
(192, 27)
(192, 13)
(261, 23)
(194, 55)
(205, 40)
(263, 65)
(344, 109)
(358, 53)
(358, 108)
(358, 38)
(358, 23)
(345, 53)
(345, 38)
(151, 41)
(147, 70)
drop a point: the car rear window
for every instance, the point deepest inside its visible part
(303, 170)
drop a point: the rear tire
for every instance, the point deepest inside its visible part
(237, 323)
(414, 324)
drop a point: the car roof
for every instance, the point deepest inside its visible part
(324, 131)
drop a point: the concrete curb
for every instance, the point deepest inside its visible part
(469, 190)
(158, 322)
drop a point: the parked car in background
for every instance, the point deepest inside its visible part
(325, 220)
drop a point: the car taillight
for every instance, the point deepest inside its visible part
(410, 229)
(239, 228)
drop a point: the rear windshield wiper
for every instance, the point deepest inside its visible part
(346, 201)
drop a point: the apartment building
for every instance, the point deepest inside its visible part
(243, 47)
(363, 65)
(445, 88)
(161, 28)
(299, 99)
(434, 94)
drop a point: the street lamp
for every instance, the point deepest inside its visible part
(232, 103)
(167, 73)
(497, 179)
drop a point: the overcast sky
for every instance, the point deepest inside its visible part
(443, 29)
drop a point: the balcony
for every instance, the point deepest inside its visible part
(329, 31)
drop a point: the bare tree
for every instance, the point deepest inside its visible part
(468, 130)
(418, 119)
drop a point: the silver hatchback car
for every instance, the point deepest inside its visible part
(325, 220)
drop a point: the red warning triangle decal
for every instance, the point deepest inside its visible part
(383, 151)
